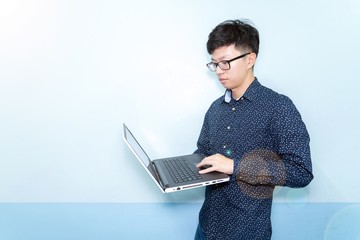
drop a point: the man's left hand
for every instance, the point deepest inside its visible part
(217, 162)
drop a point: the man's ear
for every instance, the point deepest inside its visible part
(251, 59)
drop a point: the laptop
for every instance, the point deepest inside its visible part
(174, 173)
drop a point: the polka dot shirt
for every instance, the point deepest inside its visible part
(265, 136)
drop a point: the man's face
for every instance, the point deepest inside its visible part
(239, 71)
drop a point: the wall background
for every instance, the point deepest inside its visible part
(71, 72)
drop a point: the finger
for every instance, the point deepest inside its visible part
(200, 164)
(207, 170)
(204, 162)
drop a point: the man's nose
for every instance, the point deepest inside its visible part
(218, 70)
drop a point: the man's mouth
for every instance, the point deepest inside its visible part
(222, 80)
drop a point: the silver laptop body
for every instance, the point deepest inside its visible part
(168, 173)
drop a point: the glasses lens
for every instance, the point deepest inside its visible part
(224, 65)
(211, 66)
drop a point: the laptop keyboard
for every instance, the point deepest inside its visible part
(181, 171)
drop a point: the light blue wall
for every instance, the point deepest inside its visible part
(71, 72)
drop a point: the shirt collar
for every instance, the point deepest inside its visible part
(249, 94)
(227, 97)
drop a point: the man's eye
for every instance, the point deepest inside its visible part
(223, 63)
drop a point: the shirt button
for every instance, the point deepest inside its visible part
(224, 146)
(242, 98)
(228, 127)
(233, 109)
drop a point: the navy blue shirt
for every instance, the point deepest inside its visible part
(265, 136)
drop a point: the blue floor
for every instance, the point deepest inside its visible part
(107, 221)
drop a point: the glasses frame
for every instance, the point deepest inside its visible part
(216, 64)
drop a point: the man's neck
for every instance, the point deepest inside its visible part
(238, 92)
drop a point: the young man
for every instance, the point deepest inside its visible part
(253, 134)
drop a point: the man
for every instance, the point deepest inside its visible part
(253, 134)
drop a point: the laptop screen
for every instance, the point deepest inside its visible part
(136, 147)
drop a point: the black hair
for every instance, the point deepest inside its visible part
(241, 33)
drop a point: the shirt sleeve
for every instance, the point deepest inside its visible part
(289, 162)
(293, 144)
(203, 142)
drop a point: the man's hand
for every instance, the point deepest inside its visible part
(217, 162)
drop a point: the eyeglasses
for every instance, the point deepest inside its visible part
(224, 64)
